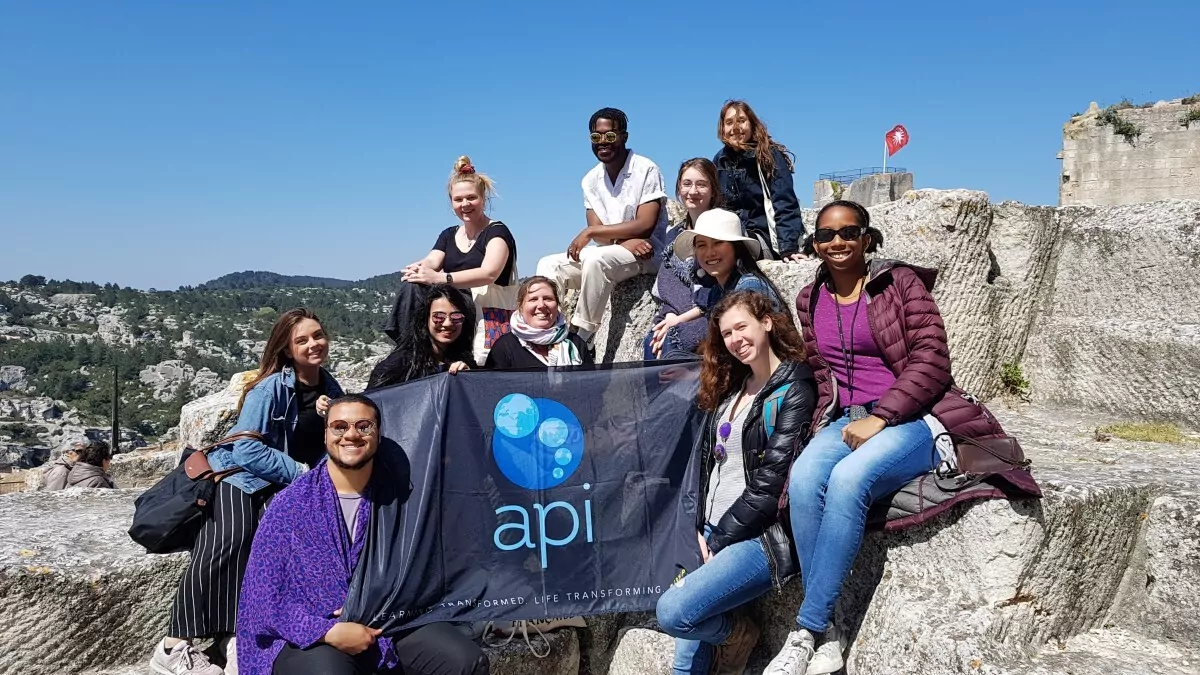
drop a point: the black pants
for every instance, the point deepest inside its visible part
(207, 600)
(435, 649)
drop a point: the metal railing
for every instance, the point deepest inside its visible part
(854, 174)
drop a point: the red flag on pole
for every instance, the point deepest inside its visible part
(896, 138)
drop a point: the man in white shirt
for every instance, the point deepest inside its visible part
(625, 200)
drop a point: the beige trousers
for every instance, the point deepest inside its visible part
(598, 269)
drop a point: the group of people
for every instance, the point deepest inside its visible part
(807, 425)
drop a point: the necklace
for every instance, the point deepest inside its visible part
(848, 354)
(726, 427)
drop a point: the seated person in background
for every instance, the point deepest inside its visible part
(56, 475)
(725, 261)
(696, 188)
(438, 339)
(538, 337)
(300, 567)
(626, 217)
(477, 256)
(91, 467)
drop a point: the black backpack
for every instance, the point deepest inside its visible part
(168, 515)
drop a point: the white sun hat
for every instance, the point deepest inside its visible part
(715, 224)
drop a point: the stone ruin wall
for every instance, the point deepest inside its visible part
(1099, 167)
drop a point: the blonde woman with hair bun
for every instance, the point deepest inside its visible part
(478, 256)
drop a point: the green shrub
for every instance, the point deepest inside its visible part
(1120, 126)
(1014, 381)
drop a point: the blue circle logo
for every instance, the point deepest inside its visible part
(538, 442)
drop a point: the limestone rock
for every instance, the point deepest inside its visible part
(167, 377)
(1102, 339)
(13, 377)
(206, 382)
(142, 469)
(210, 418)
(643, 651)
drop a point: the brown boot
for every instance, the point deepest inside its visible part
(732, 654)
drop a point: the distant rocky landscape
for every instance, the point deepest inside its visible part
(61, 341)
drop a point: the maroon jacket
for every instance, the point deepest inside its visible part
(909, 331)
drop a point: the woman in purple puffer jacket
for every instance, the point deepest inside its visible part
(877, 347)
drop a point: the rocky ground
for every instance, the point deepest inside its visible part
(1101, 574)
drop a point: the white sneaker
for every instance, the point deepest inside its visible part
(183, 659)
(828, 658)
(229, 647)
(794, 657)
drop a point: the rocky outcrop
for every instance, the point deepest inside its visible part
(1108, 563)
(166, 378)
(13, 377)
(210, 418)
(1039, 289)
(1118, 326)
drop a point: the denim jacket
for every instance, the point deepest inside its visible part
(742, 189)
(272, 410)
(706, 292)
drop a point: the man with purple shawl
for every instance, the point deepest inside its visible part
(301, 564)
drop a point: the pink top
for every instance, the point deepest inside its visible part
(872, 377)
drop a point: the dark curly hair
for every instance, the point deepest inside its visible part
(94, 453)
(414, 356)
(721, 373)
(862, 216)
(619, 121)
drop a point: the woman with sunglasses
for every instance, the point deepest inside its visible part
(439, 340)
(876, 341)
(759, 395)
(478, 256)
(756, 181)
(285, 403)
(538, 335)
(696, 188)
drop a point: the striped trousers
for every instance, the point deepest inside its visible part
(207, 600)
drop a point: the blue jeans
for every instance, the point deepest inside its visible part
(830, 490)
(693, 610)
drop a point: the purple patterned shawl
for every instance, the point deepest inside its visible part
(299, 573)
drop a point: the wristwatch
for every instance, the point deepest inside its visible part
(449, 279)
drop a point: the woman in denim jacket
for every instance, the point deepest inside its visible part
(744, 167)
(285, 403)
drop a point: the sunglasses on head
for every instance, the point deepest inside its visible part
(847, 233)
(456, 318)
(340, 427)
(605, 138)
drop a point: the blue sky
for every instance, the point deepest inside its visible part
(156, 144)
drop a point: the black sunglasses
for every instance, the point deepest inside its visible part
(847, 233)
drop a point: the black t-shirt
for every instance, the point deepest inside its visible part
(308, 440)
(457, 261)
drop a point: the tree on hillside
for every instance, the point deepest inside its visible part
(32, 280)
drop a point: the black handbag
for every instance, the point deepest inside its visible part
(168, 515)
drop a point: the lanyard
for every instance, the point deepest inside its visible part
(847, 354)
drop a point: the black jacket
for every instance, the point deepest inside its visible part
(768, 461)
(508, 353)
(742, 189)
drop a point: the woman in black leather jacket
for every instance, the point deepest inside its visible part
(759, 394)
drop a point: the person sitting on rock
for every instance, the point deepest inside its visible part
(538, 337)
(759, 395)
(625, 199)
(56, 475)
(477, 256)
(437, 341)
(91, 467)
(284, 403)
(876, 341)
(696, 189)
(756, 181)
(299, 570)
(723, 261)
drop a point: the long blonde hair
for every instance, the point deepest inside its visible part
(464, 172)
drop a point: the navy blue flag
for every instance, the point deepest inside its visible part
(525, 495)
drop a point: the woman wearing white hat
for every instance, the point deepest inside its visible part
(725, 261)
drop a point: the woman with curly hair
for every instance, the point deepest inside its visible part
(438, 340)
(756, 181)
(759, 395)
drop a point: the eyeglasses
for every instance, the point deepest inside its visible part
(847, 233)
(456, 318)
(605, 138)
(699, 185)
(363, 427)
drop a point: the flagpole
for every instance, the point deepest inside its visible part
(885, 149)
